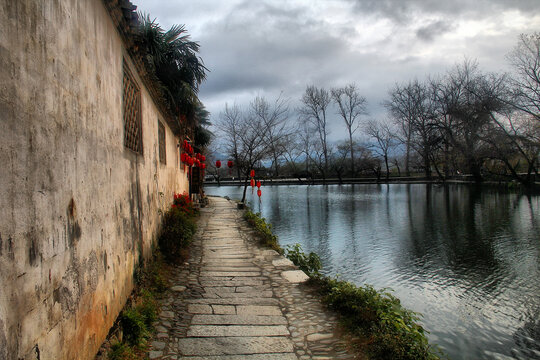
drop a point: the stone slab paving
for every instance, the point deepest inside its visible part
(235, 300)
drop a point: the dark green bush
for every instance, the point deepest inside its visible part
(148, 308)
(264, 230)
(133, 326)
(310, 264)
(121, 351)
(177, 232)
(392, 331)
(389, 330)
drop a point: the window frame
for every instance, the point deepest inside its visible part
(131, 111)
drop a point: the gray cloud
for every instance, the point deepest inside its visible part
(432, 30)
(267, 47)
(405, 11)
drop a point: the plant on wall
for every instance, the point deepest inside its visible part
(172, 56)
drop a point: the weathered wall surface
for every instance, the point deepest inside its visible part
(77, 208)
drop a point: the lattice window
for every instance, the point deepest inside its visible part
(132, 113)
(161, 142)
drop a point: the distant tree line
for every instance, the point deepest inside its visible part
(464, 122)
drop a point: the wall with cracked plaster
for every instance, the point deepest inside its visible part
(78, 209)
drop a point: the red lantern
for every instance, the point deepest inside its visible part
(203, 158)
(218, 164)
(252, 183)
(259, 184)
(183, 157)
(203, 166)
(259, 193)
(252, 173)
(230, 164)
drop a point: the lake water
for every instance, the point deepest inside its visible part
(468, 259)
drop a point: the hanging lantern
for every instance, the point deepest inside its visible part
(203, 158)
(230, 164)
(259, 193)
(203, 166)
(183, 157)
(218, 164)
(259, 184)
(252, 183)
(252, 173)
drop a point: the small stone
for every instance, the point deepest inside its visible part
(158, 345)
(317, 337)
(178, 288)
(155, 354)
(167, 314)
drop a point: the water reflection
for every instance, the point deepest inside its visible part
(467, 258)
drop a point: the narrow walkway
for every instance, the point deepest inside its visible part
(235, 300)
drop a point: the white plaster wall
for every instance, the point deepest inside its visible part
(76, 207)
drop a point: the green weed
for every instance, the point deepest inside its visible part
(310, 264)
(264, 230)
(176, 235)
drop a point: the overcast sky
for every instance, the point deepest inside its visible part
(264, 47)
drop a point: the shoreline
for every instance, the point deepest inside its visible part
(350, 181)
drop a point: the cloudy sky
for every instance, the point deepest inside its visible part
(268, 47)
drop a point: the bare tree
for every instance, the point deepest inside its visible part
(211, 167)
(274, 118)
(412, 106)
(384, 138)
(516, 140)
(367, 160)
(403, 111)
(315, 105)
(230, 123)
(469, 99)
(339, 160)
(245, 138)
(526, 60)
(350, 106)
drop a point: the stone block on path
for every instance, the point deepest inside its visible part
(295, 276)
(238, 320)
(234, 346)
(282, 262)
(237, 330)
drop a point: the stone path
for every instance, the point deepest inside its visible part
(235, 300)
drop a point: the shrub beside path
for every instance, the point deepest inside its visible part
(235, 300)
